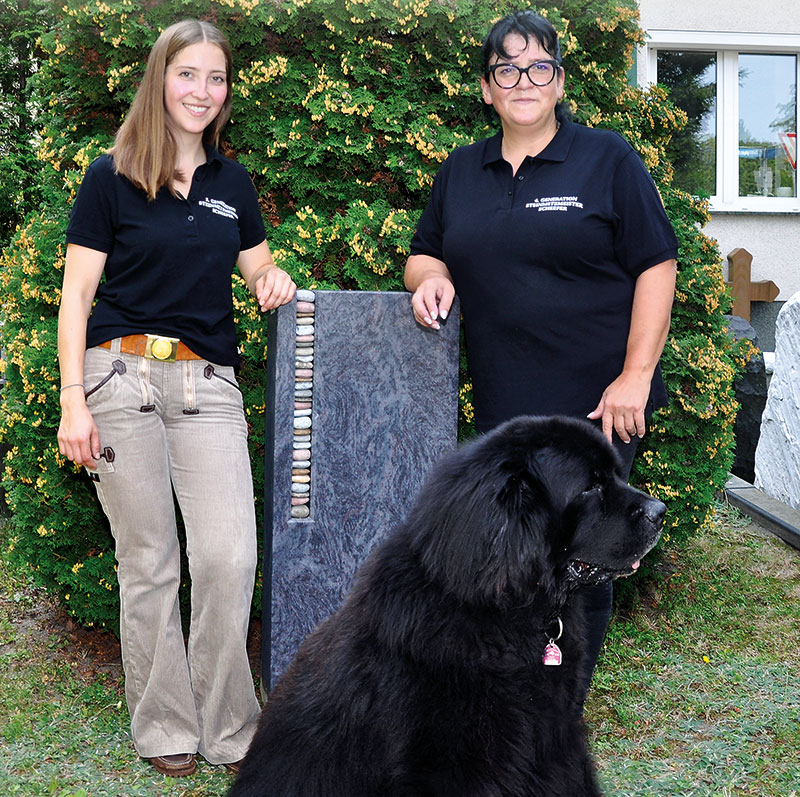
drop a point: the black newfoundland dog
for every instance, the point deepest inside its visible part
(430, 680)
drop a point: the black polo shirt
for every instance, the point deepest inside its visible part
(170, 260)
(545, 263)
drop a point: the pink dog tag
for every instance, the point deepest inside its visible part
(552, 655)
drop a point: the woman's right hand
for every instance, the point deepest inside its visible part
(432, 300)
(429, 281)
(78, 437)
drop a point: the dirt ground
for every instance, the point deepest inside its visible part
(39, 618)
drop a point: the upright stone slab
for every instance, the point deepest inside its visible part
(778, 451)
(751, 393)
(363, 400)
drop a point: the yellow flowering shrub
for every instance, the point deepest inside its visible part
(343, 112)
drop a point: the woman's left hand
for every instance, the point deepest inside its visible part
(274, 288)
(622, 406)
(623, 402)
(271, 285)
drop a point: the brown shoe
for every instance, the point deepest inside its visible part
(175, 766)
(234, 766)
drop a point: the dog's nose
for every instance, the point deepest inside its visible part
(651, 510)
(654, 511)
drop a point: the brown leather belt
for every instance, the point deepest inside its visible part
(154, 347)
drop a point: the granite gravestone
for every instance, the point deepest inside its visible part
(777, 462)
(363, 400)
(751, 393)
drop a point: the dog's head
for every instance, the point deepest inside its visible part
(536, 506)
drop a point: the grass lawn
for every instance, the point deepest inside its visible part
(697, 692)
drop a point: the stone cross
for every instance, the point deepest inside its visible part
(361, 401)
(742, 290)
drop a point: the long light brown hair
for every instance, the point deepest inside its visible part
(144, 149)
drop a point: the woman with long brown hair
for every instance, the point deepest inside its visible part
(150, 404)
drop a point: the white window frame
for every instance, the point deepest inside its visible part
(728, 46)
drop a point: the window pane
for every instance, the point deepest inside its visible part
(691, 78)
(767, 114)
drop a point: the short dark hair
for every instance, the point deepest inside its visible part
(529, 25)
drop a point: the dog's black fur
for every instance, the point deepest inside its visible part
(429, 681)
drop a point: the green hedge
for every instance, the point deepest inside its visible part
(343, 112)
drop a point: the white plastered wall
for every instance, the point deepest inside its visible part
(765, 16)
(772, 238)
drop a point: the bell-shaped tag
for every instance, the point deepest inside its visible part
(552, 655)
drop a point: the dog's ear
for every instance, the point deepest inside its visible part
(479, 529)
(532, 525)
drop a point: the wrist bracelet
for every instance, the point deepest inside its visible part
(74, 384)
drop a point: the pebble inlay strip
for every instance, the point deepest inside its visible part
(303, 399)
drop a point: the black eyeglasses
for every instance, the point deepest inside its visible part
(540, 73)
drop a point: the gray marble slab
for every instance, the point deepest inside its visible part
(384, 408)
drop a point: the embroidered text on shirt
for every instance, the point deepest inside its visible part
(555, 203)
(219, 207)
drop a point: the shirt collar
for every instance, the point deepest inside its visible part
(556, 150)
(212, 153)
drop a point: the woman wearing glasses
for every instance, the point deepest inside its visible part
(555, 239)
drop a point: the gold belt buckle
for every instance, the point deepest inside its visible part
(161, 348)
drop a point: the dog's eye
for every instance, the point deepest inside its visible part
(594, 487)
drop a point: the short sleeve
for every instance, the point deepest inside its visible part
(643, 235)
(92, 220)
(428, 237)
(251, 223)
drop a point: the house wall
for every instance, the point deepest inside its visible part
(772, 238)
(767, 16)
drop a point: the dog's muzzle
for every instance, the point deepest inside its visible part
(650, 518)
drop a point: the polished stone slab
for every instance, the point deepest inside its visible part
(384, 407)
